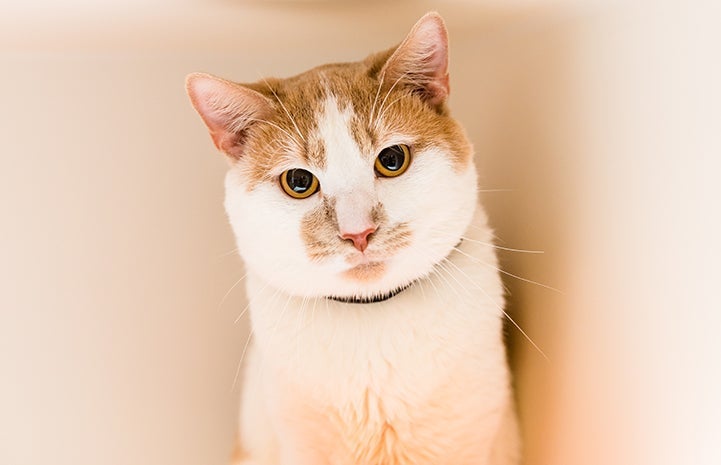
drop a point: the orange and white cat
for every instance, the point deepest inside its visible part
(375, 300)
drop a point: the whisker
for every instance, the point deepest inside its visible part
(245, 348)
(282, 313)
(240, 363)
(274, 330)
(250, 302)
(508, 249)
(312, 318)
(506, 272)
(390, 105)
(375, 100)
(228, 253)
(222, 301)
(292, 137)
(499, 307)
(389, 93)
(297, 129)
(245, 309)
(442, 266)
(423, 291)
(433, 285)
(300, 315)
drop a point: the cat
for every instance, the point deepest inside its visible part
(375, 301)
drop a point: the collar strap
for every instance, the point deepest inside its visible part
(373, 299)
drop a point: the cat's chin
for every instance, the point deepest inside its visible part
(372, 276)
(366, 272)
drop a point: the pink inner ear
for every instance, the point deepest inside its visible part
(227, 109)
(422, 59)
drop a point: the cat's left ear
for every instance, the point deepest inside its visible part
(421, 60)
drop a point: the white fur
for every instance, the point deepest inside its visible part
(349, 176)
(423, 375)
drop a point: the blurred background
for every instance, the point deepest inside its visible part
(596, 127)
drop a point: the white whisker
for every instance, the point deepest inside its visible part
(312, 318)
(375, 100)
(442, 266)
(389, 93)
(275, 328)
(245, 348)
(292, 137)
(225, 254)
(250, 301)
(499, 307)
(222, 301)
(297, 129)
(508, 249)
(433, 285)
(390, 105)
(299, 317)
(423, 291)
(240, 363)
(506, 272)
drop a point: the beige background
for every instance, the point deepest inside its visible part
(597, 133)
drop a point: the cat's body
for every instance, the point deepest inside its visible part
(375, 300)
(418, 379)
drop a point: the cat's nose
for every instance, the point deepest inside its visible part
(360, 240)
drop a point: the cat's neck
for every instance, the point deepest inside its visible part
(443, 319)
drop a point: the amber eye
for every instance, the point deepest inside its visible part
(393, 161)
(299, 183)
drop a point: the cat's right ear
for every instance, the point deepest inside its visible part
(228, 110)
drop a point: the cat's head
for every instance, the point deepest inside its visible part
(349, 180)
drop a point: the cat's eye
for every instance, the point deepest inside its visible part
(299, 183)
(393, 161)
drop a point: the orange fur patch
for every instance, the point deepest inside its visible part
(319, 231)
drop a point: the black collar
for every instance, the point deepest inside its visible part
(373, 299)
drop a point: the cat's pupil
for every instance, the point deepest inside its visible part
(392, 158)
(299, 180)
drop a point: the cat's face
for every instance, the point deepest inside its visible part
(349, 180)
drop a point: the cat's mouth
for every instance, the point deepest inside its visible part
(372, 263)
(363, 258)
(366, 266)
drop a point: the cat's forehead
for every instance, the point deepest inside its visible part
(349, 83)
(343, 113)
(311, 98)
(304, 95)
(318, 113)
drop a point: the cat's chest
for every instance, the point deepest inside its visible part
(398, 347)
(389, 428)
(386, 384)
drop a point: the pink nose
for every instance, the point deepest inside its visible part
(360, 240)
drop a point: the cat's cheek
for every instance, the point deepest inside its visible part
(265, 226)
(428, 192)
(447, 210)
